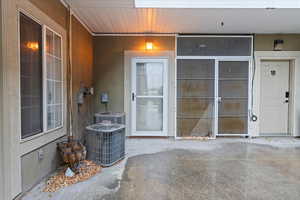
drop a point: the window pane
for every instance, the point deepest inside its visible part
(50, 67)
(50, 92)
(50, 117)
(49, 42)
(149, 114)
(57, 46)
(58, 116)
(150, 79)
(54, 80)
(31, 76)
(58, 88)
(57, 69)
(195, 97)
(214, 46)
(233, 91)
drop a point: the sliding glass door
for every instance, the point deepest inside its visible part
(213, 85)
(195, 98)
(212, 97)
(233, 97)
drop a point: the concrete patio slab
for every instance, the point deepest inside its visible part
(226, 168)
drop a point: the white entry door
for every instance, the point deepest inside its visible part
(274, 98)
(149, 97)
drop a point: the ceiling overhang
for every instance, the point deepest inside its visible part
(122, 17)
(217, 3)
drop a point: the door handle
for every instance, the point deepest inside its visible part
(287, 94)
(219, 99)
(132, 96)
(286, 101)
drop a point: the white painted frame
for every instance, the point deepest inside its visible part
(164, 132)
(45, 88)
(217, 60)
(294, 110)
(44, 75)
(163, 54)
(35, 141)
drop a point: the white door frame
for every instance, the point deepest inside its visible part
(163, 54)
(294, 107)
(164, 132)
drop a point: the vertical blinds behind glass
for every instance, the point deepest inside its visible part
(214, 46)
(31, 77)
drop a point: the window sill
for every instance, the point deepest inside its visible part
(36, 141)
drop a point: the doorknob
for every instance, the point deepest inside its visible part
(287, 94)
(219, 99)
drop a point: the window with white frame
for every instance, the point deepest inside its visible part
(53, 80)
(41, 78)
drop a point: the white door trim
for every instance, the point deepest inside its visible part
(170, 55)
(294, 57)
(164, 132)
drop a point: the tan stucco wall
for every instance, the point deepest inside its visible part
(82, 74)
(1, 112)
(34, 170)
(53, 8)
(266, 42)
(27, 169)
(109, 65)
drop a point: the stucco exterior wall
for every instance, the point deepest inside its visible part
(34, 170)
(82, 75)
(54, 9)
(109, 65)
(265, 42)
(22, 167)
(1, 112)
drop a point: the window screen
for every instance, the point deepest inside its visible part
(31, 77)
(214, 46)
(54, 80)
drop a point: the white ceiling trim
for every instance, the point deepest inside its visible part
(217, 3)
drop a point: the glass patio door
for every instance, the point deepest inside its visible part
(212, 97)
(196, 94)
(233, 97)
(213, 85)
(149, 97)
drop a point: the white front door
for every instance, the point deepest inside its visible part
(274, 98)
(149, 97)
